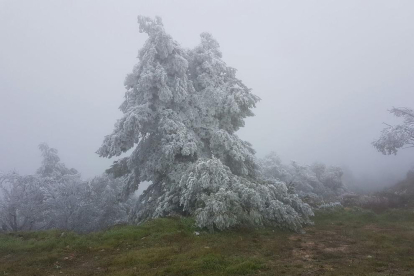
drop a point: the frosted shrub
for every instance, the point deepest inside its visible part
(57, 197)
(314, 184)
(330, 206)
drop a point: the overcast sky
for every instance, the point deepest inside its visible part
(326, 71)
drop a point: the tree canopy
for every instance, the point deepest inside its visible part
(396, 137)
(181, 110)
(56, 197)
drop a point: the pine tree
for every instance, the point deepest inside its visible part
(181, 111)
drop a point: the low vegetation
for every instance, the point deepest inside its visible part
(342, 242)
(398, 196)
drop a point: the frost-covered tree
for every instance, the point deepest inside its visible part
(315, 182)
(51, 165)
(74, 204)
(57, 197)
(181, 111)
(63, 189)
(330, 177)
(396, 137)
(21, 203)
(106, 206)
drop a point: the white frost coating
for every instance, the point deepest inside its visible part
(330, 206)
(181, 110)
(316, 182)
(396, 137)
(220, 199)
(57, 197)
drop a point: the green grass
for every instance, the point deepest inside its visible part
(346, 242)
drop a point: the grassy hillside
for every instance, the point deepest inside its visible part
(348, 242)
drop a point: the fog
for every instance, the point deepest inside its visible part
(326, 73)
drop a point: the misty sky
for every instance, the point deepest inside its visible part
(326, 71)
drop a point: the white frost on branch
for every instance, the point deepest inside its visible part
(316, 182)
(181, 110)
(393, 138)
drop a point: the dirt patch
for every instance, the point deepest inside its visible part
(341, 249)
(376, 228)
